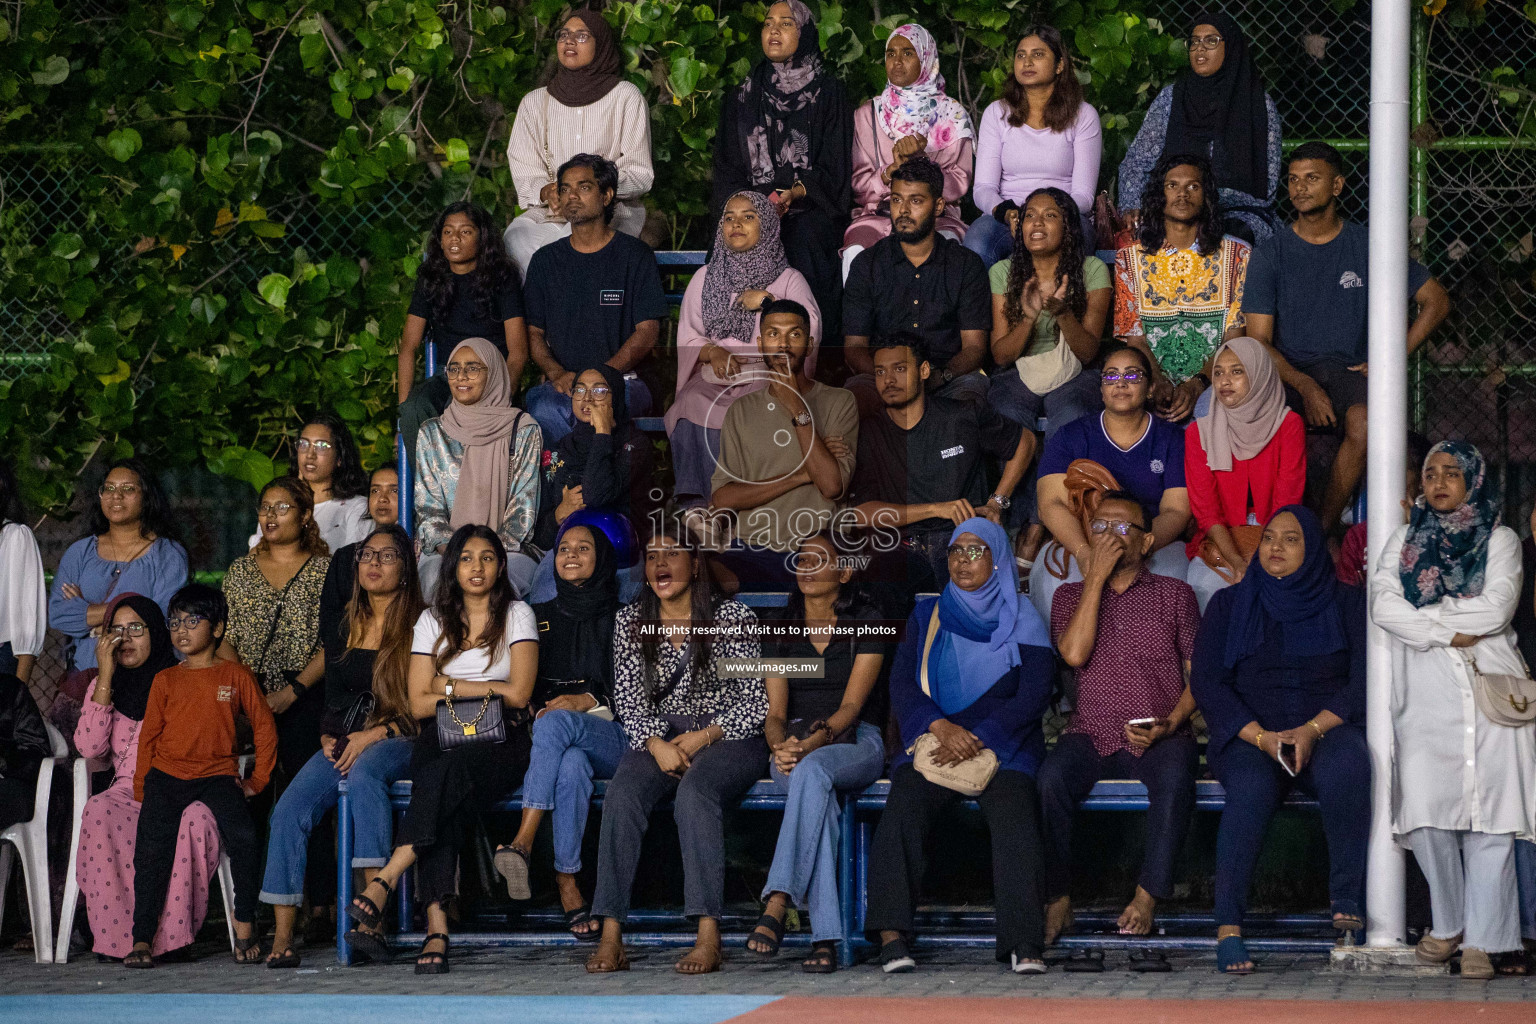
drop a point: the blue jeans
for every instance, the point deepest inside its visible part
(570, 749)
(553, 410)
(989, 238)
(312, 793)
(1525, 875)
(805, 860)
(1011, 397)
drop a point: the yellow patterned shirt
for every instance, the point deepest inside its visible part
(1182, 300)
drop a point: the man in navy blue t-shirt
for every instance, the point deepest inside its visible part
(1306, 298)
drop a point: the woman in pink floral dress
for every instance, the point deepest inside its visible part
(134, 648)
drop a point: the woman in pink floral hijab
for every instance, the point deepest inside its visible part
(912, 116)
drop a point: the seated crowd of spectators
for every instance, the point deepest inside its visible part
(1027, 458)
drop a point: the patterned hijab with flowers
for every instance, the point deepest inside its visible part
(922, 108)
(1446, 553)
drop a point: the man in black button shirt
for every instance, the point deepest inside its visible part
(918, 280)
(922, 458)
(595, 297)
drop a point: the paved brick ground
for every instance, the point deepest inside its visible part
(560, 972)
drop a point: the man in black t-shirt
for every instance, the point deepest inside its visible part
(595, 297)
(917, 280)
(922, 459)
(461, 292)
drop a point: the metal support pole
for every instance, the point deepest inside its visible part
(1391, 27)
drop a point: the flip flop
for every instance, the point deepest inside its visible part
(581, 915)
(1149, 961)
(244, 946)
(1089, 961)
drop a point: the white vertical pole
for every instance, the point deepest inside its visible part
(1388, 304)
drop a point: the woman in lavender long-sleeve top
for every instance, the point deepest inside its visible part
(1040, 134)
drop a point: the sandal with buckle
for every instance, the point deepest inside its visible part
(580, 916)
(366, 912)
(771, 940)
(823, 959)
(432, 962)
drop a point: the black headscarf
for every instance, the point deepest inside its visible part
(579, 641)
(591, 83)
(1223, 116)
(573, 448)
(775, 107)
(130, 686)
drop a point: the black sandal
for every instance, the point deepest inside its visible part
(1089, 961)
(582, 915)
(895, 958)
(139, 959)
(772, 941)
(369, 945)
(366, 912)
(823, 959)
(439, 965)
(1149, 961)
(288, 959)
(1512, 964)
(244, 946)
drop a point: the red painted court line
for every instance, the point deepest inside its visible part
(1004, 1010)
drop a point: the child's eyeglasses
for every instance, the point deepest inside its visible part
(185, 621)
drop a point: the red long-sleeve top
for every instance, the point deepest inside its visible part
(189, 725)
(1272, 479)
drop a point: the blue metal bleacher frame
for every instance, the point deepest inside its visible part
(858, 812)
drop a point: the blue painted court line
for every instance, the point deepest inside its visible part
(347, 1009)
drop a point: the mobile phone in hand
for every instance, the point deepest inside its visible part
(1142, 723)
(1286, 755)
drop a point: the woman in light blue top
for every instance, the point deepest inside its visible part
(127, 550)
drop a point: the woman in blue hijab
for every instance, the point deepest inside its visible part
(1279, 674)
(974, 670)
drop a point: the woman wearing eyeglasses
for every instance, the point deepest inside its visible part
(974, 671)
(132, 649)
(1243, 460)
(1220, 111)
(326, 458)
(1144, 454)
(365, 737)
(478, 465)
(586, 106)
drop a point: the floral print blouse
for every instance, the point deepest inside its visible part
(738, 706)
(438, 458)
(253, 604)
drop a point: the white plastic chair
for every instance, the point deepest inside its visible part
(72, 883)
(30, 839)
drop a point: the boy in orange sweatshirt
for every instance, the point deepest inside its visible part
(187, 754)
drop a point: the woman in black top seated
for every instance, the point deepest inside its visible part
(1279, 674)
(825, 735)
(365, 733)
(575, 736)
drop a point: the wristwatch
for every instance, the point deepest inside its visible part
(448, 688)
(1002, 501)
(946, 375)
(803, 420)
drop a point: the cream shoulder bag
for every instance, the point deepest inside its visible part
(968, 778)
(1048, 371)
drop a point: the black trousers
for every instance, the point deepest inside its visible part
(1167, 769)
(811, 241)
(18, 797)
(449, 789)
(898, 860)
(154, 851)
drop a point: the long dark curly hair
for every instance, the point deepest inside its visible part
(1153, 232)
(448, 600)
(1066, 92)
(703, 599)
(493, 273)
(348, 479)
(1069, 258)
(155, 512)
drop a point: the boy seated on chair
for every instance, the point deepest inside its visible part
(186, 754)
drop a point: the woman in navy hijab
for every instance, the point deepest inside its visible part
(974, 670)
(1279, 674)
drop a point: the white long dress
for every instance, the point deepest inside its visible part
(1452, 768)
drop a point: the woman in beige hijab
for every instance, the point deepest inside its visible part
(478, 463)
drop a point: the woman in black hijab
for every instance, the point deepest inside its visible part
(590, 466)
(1219, 111)
(787, 132)
(575, 735)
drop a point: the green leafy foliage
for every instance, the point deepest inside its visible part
(196, 145)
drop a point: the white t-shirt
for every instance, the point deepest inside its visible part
(478, 665)
(341, 522)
